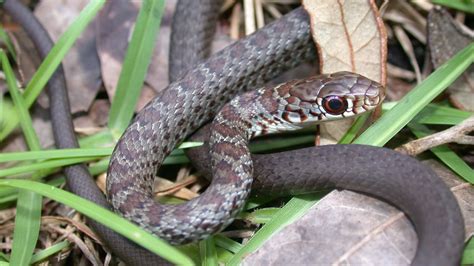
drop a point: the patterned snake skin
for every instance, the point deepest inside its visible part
(407, 184)
(184, 106)
(193, 99)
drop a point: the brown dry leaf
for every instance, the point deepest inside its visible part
(81, 64)
(114, 27)
(463, 191)
(375, 234)
(333, 131)
(28, 58)
(94, 120)
(350, 36)
(114, 30)
(166, 187)
(325, 235)
(446, 37)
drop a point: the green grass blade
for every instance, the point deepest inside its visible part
(355, 129)
(106, 217)
(227, 243)
(468, 255)
(208, 252)
(260, 216)
(74, 153)
(4, 257)
(22, 110)
(135, 65)
(54, 58)
(407, 108)
(43, 166)
(9, 194)
(28, 214)
(8, 116)
(9, 198)
(48, 252)
(27, 226)
(8, 42)
(435, 114)
(55, 154)
(462, 5)
(54, 163)
(2, 115)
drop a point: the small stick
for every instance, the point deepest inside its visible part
(456, 134)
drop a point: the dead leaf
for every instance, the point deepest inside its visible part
(81, 64)
(350, 36)
(463, 191)
(333, 131)
(330, 229)
(446, 37)
(94, 120)
(165, 187)
(114, 30)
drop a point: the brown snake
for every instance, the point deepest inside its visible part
(383, 173)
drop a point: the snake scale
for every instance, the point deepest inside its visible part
(196, 97)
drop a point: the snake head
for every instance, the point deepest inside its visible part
(328, 97)
(299, 103)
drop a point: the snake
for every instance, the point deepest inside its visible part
(196, 97)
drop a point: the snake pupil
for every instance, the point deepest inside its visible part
(334, 105)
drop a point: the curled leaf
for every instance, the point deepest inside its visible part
(350, 36)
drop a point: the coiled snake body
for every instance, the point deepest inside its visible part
(190, 101)
(195, 98)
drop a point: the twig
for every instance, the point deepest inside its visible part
(249, 15)
(178, 189)
(456, 134)
(259, 14)
(78, 241)
(409, 50)
(235, 21)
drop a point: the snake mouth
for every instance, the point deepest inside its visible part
(374, 95)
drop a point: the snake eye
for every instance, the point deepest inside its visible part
(334, 105)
